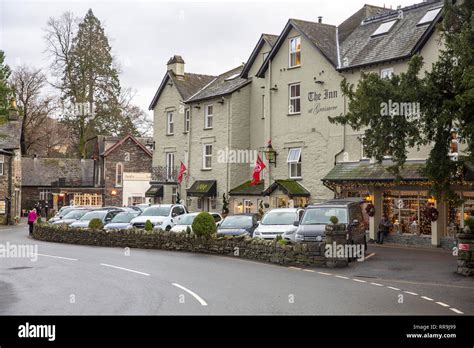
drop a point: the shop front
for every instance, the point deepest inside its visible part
(202, 196)
(286, 194)
(247, 198)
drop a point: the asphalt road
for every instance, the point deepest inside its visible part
(71, 279)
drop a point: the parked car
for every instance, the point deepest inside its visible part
(239, 224)
(122, 220)
(61, 213)
(161, 216)
(136, 208)
(316, 217)
(279, 222)
(186, 220)
(105, 216)
(71, 217)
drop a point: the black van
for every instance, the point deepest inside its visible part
(316, 217)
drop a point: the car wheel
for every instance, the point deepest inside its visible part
(168, 228)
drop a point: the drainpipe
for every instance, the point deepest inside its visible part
(229, 126)
(10, 188)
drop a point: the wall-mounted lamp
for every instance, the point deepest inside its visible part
(270, 153)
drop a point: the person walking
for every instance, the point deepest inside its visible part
(32, 216)
(383, 229)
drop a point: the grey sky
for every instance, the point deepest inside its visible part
(212, 36)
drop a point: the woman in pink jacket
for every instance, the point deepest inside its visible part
(32, 216)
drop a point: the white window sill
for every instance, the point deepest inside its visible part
(294, 114)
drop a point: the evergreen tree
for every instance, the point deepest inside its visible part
(5, 90)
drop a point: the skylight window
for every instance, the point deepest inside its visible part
(429, 16)
(384, 28)
(232, 77)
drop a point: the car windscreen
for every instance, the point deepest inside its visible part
(321, 215)
(65, 212)
(93, 215)
(156, 211)
(124, 217)
(75, 214)
(237, 222)
(186, 219)
(279, 218)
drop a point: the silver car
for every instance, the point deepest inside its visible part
(279, 222)
(71, 217)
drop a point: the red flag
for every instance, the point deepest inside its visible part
(259, 166)
(182, 169)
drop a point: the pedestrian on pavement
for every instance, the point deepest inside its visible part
(46, 209)
(32, 216)
(383, 228)
(38, 208)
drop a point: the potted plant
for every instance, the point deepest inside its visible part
(469, 225)
(225, 205)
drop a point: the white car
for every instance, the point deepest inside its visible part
(186, 220)
(279, 222)
(162, 216)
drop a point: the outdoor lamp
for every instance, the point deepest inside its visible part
(270, 153)
(114, 193)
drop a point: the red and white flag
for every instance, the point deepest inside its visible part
(182, 170)
(259, 166)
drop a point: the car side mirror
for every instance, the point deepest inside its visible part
(296, 223)
(174, 214)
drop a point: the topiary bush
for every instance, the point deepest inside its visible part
(96, 224)
(204, 225)
(334, 220)
(148, 226)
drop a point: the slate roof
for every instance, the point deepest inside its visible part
(351, 23)
(403, 40)
(222, 85)
(291, 187)
(9, 134)
(105, 142)
(247, 189)
(139, 143)
(187, 86)
(270, 40)
(364, 171)
(45, 171)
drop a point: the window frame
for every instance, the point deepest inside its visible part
(205, 156)
(387, 71)
(187, 120)
(208, 116)
(117, 175)
(169, 123)
(291, 99)
(2, 165)
(296, 52)
(295, 163)
(169, 165)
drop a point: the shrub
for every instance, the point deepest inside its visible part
(96, 224)
(334, 220)
(278, 238)
(204, 225)
(39, 220)
(188, 230)
(282, 241)
(148, 226)
(469, 222)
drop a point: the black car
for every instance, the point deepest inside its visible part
(238, 225)
(316, 217)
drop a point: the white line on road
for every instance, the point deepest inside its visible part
(58, 257)
(369, 256)
(125, 269)
(323, 273)
(342, 277)
(411, 293)
(196, 296)
(296, 268)
(426, 298)
(359, 280)
(376, 284)
(456, 311)
(308, 270)
(442, 304)
(391, 287)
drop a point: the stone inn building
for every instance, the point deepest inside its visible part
(285, 93)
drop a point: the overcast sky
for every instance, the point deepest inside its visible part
(211, 36)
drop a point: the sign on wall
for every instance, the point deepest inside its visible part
(321, 100)
(136, 176)
(3, 207)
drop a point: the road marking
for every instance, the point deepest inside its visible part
(391, 287)
(308, 270)
(426, 298)
(442, 304)
(369, 256)
(323, 273)
(196, 296)
(342, 277)
(125, 269)
(359, 280)
(456, 311)
(376, 284)
(58, 257)
(296, 268)
(411, 293)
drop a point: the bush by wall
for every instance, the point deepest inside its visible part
(204, 225)
(240, 247)
(96, 224)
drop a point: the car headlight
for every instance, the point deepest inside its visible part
(299, 237)
(256, 232)
(159, 223)
(290, 232)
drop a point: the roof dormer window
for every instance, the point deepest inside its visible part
(384, 28)
(429, 16)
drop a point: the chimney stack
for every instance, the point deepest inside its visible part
(176, 65)
(320, 19)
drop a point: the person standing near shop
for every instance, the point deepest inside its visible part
(383, 229)
(32, 216)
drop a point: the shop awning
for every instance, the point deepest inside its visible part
(367, 172)
(292, 188)
(203, 188)
(154, 191)
(247, 189)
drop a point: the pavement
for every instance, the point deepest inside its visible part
(86, 280)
